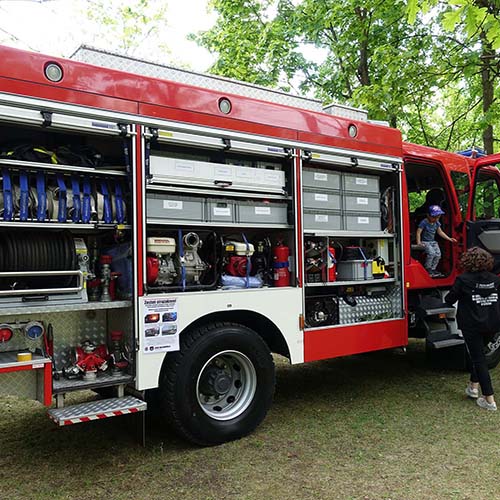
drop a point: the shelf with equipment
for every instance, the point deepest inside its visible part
(217, 211)
(66, 216)
(352, 240)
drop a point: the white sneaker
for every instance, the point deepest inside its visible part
(487, 406)
(472, 393)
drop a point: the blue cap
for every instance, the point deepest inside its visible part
(435, 211)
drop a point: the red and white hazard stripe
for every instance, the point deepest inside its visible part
(98, 416)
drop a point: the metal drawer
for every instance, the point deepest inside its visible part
(323, 179)
(360, 183)
(166, 206)
(262, 213)
(324, 200)
(357, 221)
(357, 202)
(188, 172)
(322, 219)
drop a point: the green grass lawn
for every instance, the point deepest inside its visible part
(369, 427)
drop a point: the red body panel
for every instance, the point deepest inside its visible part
(82, 84)
(119, 91)
(353, 339)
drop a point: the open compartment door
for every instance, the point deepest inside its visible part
(483, 219)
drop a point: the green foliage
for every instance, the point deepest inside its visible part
(418, 64)
(127, 24)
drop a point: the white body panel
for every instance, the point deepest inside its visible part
(282, 306)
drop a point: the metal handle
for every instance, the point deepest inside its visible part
(36, 291)
(223, 183)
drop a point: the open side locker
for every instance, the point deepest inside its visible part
(66, 241)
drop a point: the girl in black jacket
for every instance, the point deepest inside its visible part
(478, 316)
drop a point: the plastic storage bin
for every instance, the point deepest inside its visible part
(322, 220)
(354, 270)
(366, 222)
(250, 212)
(324, 200)
(221, 210)
(166, 206)
(357, 202)
(360, 183)
(323, 179)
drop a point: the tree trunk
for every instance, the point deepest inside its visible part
(487, 76)
(487, 55)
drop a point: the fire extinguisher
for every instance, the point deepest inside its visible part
(281, 275)
(332, 265)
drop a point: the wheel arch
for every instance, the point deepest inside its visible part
(257, 322)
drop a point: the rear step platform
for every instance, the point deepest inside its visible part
(96, 410)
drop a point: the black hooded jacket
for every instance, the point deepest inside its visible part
(478, 303)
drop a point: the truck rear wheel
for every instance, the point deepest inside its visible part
(219, 386)
(492, 351)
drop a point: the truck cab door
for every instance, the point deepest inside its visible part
(483, 218)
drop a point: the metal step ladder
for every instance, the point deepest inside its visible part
(439, 323)
(97, 410)
(445, 347)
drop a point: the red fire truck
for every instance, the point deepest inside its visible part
(161, 236)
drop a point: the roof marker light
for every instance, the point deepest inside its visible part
(53, 72)
(225, 105)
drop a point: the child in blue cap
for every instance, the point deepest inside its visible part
(426, 233)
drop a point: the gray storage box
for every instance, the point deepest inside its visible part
(221, 210)
(261, 213)
(324, 200)
(354, 270)
(360, 183)
(322, 220)
(361, 202)
(359, 221)
(167, 206)
(323, 179)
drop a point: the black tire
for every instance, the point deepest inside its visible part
(219, 386)
(492, 351)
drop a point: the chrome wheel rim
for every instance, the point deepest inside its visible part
(226, 385)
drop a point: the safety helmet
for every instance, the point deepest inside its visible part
(435, 211)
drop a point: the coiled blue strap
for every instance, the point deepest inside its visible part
(77, 203)
(41, 210)
(24, 196)
(7, 195)
(120, 214)
(63, 199)
(86, 206)
(107, 214)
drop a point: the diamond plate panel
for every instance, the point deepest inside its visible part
(70, 329)
(111, 60)
(21, 384)
(371, 308)
(93, 408)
